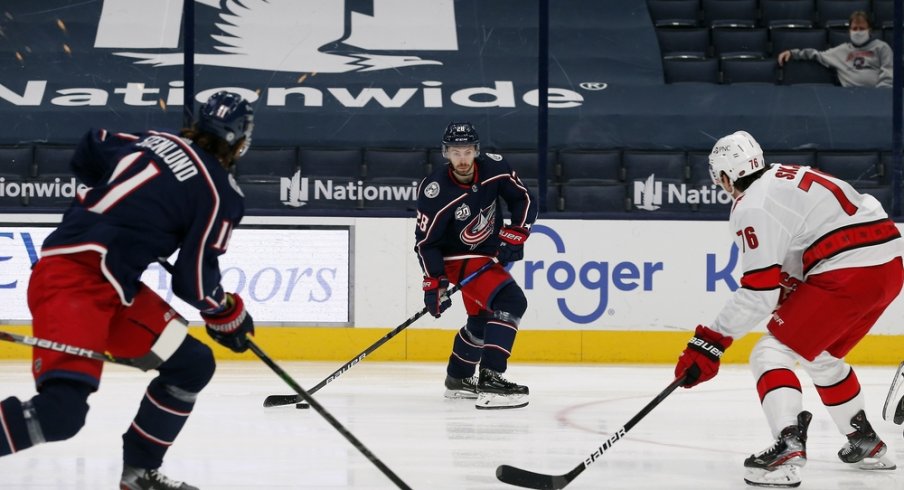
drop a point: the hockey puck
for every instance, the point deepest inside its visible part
(302, 405)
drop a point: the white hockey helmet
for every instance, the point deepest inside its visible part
(737, 154)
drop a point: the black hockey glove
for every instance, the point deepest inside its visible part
(511, 246)
(230, 325)
(435, 298)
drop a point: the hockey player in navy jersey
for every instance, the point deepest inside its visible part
(459, 229)
(148, 195)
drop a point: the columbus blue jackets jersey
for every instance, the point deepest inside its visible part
(149, 195)
(456, 221)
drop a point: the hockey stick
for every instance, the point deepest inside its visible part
(167, 342)
(326, 415)
(529, 479)
(316, 405)
(68, 349)
(279, 400)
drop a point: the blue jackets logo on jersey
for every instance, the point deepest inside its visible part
(480, 228)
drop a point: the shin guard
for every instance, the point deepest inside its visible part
(467, 348)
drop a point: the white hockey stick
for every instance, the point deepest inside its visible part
(894, 402)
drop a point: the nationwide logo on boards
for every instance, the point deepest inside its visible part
(297, 191)
(649, 194)
(294, 36)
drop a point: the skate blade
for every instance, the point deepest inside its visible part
(873, 464)
(460, 395)
(784, 476)
(490, 401)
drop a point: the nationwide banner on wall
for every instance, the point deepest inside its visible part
(393, 73)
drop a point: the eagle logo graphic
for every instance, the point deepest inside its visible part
(319, 36)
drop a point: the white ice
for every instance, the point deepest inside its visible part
(695, 439)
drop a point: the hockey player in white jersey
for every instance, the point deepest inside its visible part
(821, 262)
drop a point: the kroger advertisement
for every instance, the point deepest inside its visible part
(578, 275)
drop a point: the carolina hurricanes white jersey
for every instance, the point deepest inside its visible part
(795, 221)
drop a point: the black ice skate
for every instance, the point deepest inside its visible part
(864, 448)
(779, 466)
(496, 392)
(144, 479)
(459, 388)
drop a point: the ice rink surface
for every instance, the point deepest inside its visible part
(696, 439)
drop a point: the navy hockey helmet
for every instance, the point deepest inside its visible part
(460, 134)
(228, 116)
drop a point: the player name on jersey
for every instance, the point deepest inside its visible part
(182, 166)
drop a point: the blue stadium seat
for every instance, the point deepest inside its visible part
(525, 165)
(691, 70)
(264, 193)
(668, 166)
(52, 169)
(784, 38)
(272, 162)
(787, 13)
(388, 165)
(554, 201)
(740, 42)
(53, 160)
(749, 71)
(591, 166)
(838, 35)
(835, 13)
(805, 72)
(807, 158)
(683, 41)
(674, 12)
(858, 168)
(883, 194)
(16, 166)
(595, 198)
(730, 13)
(883, 14)
(331, 162)
(698, 168)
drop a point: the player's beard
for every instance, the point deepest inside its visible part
(463, 173)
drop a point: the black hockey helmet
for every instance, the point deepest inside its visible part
(228, 116)
(460, 134)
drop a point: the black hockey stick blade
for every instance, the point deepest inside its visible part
(529, 479)
(279, 400)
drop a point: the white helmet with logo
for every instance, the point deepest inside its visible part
(738, 155)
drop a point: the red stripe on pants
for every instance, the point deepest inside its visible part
(774, 379)
(840, 392)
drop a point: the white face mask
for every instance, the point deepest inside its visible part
(859, 37)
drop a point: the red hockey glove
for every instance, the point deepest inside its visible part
(231, 324)
(511, 246)
(700, 360)
(435, 298)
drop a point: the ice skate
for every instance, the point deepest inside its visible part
(144, 479)
(461, 388)
(893, 411)
(864, 448)
(779, 465)
(496, 392)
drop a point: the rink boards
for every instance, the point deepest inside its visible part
(326, 288)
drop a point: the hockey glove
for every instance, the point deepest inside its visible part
(511, 246)
(231, 324)
(435, 298)
(700, 360)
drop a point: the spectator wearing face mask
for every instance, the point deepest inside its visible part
(863, 62)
